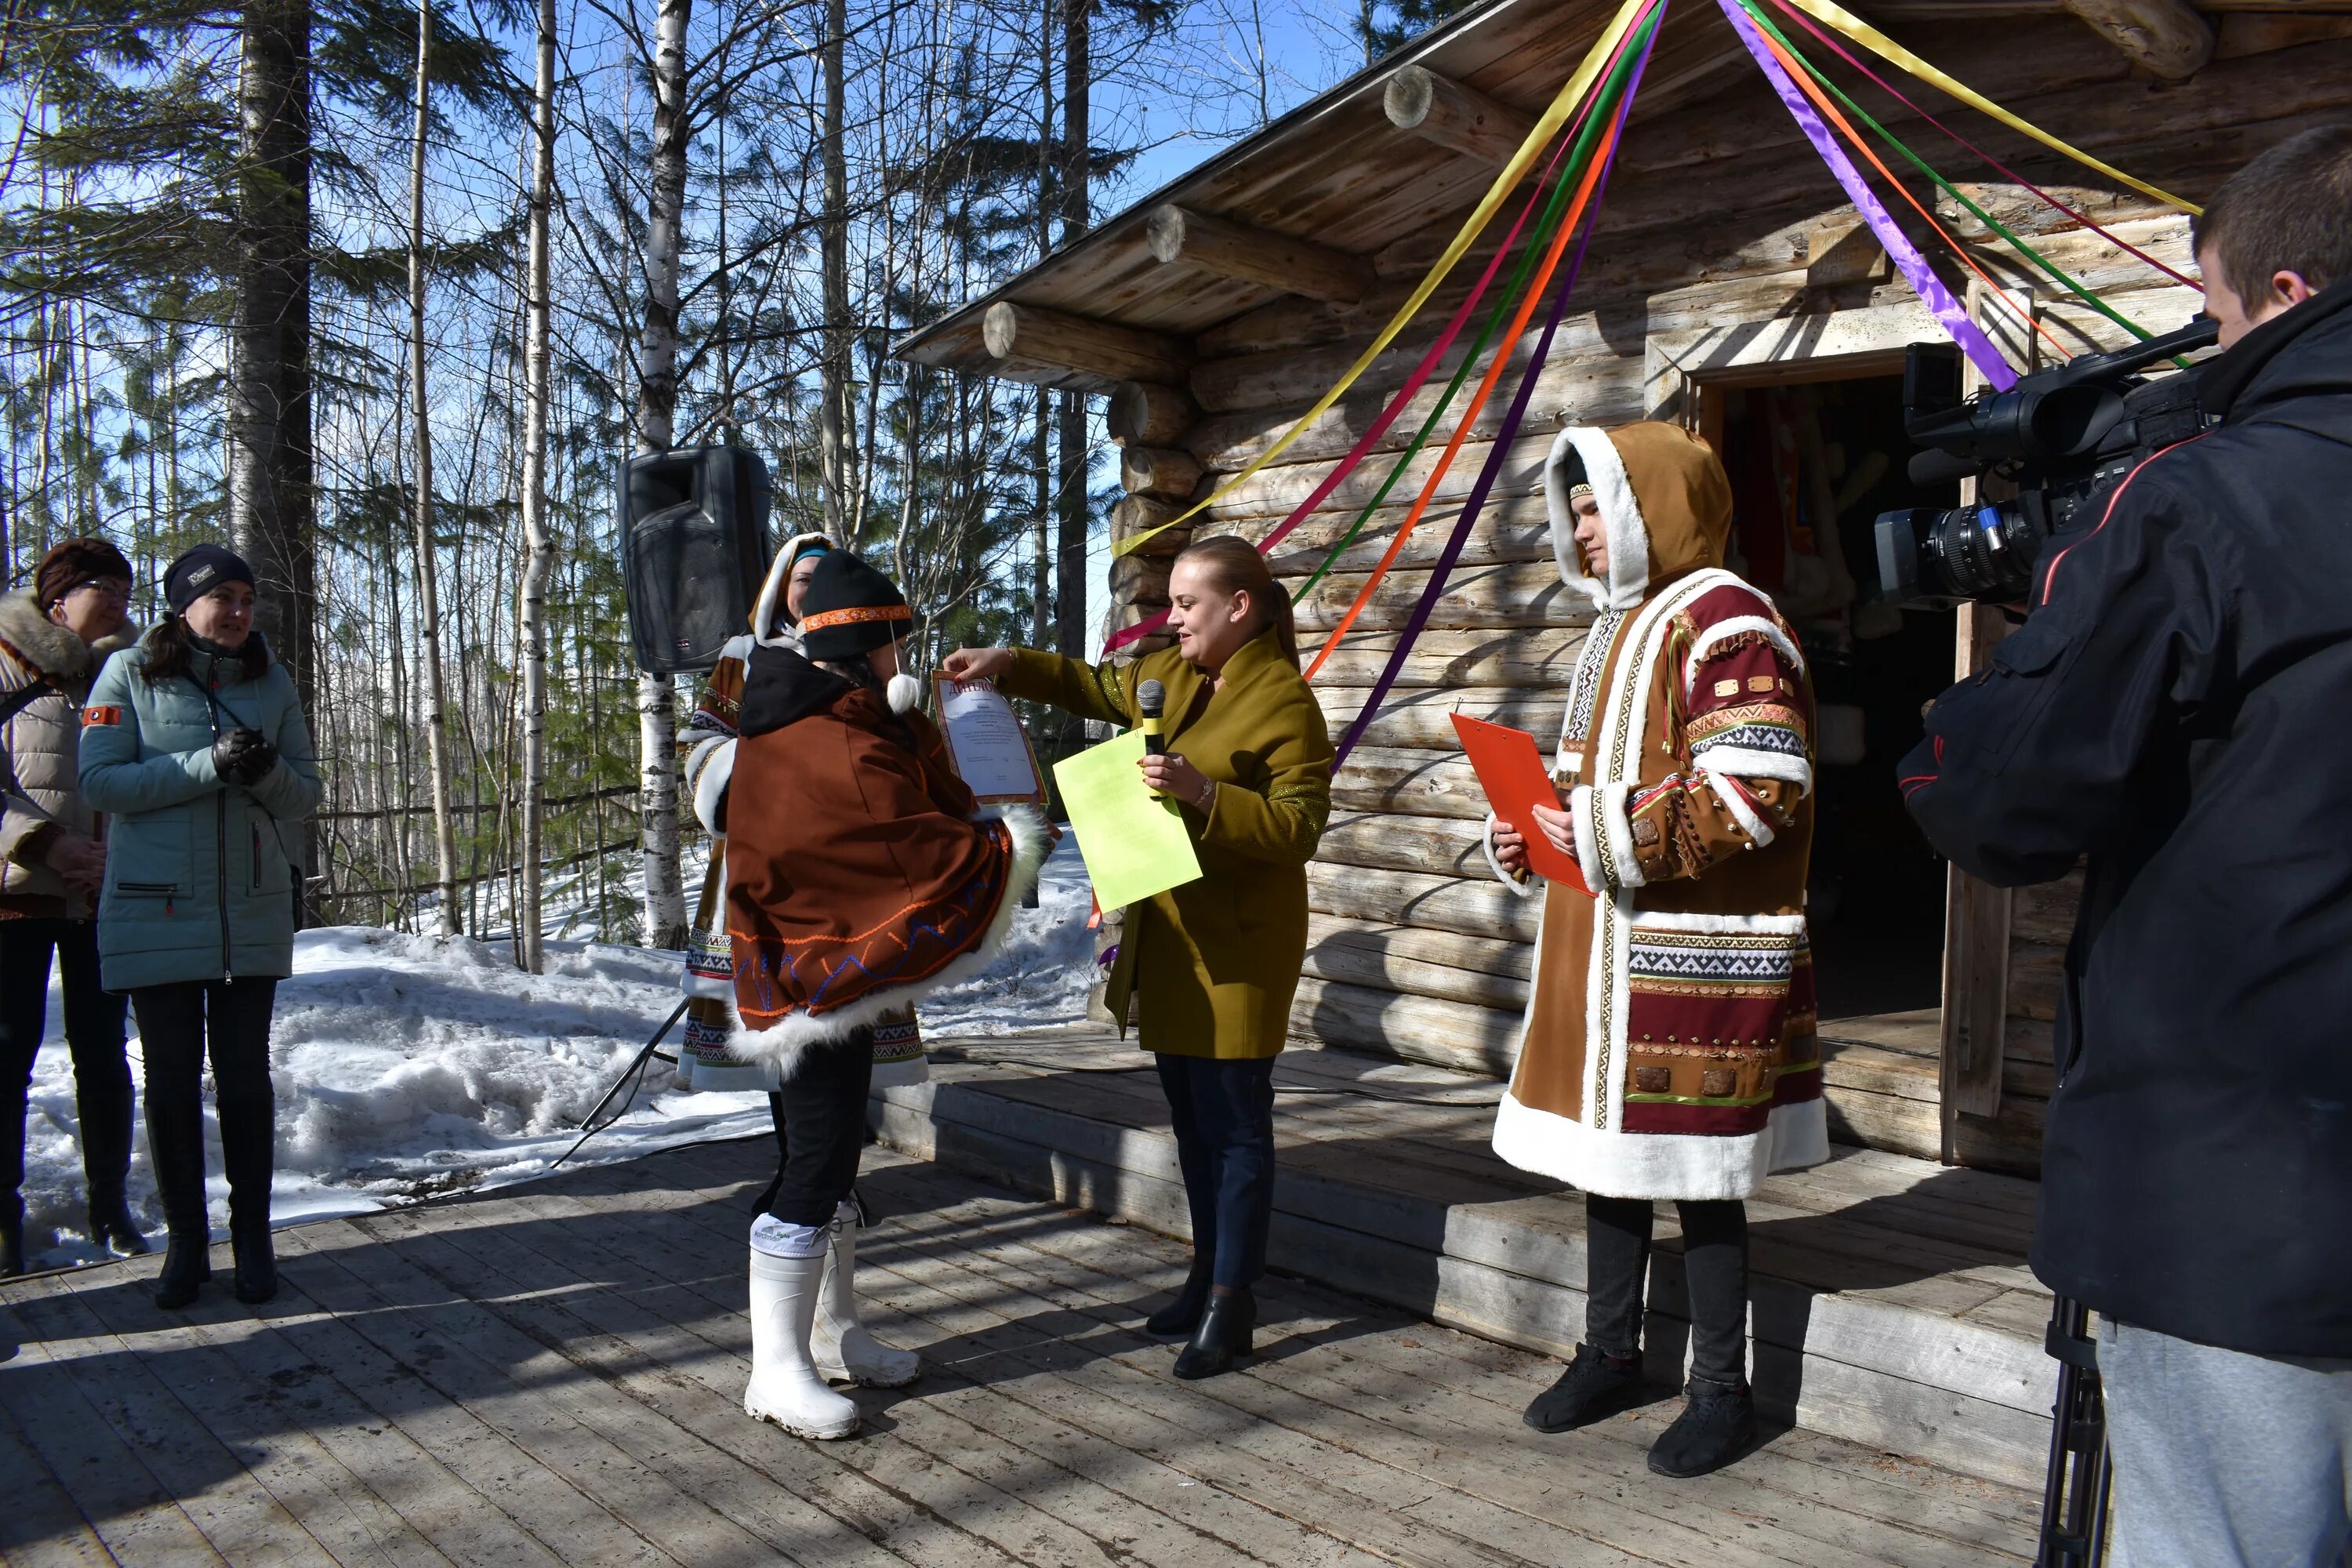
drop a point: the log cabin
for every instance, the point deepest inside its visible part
(1732, 287)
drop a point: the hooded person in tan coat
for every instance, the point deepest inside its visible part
(1668, 1050)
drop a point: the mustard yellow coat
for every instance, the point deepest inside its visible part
(1209, 969)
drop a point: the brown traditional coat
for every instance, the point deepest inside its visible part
(1668, 1050)
(1211, 969)
(859, 876)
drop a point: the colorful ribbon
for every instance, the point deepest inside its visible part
(1801, 72)
(1388, 416)
(1948, 312)
(1452, 555)
(1886, 49)
(1548, 124)
(1591, 166)
(1478, 401)
(1994, 163)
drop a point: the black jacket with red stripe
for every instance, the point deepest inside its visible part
(2178, 706)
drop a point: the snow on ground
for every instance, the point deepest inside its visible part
(411, 1066)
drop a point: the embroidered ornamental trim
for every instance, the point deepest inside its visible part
(856, 615)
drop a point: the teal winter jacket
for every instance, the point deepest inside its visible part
(199, 872)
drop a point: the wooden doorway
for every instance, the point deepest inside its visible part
(1816, 451)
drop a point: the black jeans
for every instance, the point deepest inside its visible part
(821, 1123)
(1715, 1260)
(179, 1025)
(1222, 1112)
(93, 1034)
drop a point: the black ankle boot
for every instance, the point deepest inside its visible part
(12, 1236)
(187, 1264)
(256, 1264)
(1177, 1320)
(1223, 1337)
(1595, 1385)
(1716, 1428)
(112, 1226)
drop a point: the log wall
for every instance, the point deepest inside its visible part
(1700, 270)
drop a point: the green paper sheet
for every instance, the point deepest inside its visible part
(1135, 842)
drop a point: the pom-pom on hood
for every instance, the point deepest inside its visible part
(1665, 500)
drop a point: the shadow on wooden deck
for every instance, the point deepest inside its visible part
(1892, 1302)
(551, 1373)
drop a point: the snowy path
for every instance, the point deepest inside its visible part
(409, 1065)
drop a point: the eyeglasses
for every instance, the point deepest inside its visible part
(105, 587)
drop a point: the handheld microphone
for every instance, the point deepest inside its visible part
(1151, 700)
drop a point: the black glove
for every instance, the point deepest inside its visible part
(243, 757)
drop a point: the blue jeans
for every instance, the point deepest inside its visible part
(1222, 1112)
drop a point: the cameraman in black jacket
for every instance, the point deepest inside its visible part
(2177, 706)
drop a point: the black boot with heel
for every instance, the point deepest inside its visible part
(248, 1124)
(1225, 1335)
(187, 1264)
(1177, 1320)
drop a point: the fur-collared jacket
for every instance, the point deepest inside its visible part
(861, 875)
(40, 753)
(1668, 1050)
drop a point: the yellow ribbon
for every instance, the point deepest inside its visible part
(1863, 33)
(1547, 125)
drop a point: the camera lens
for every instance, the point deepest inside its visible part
(1928, 556)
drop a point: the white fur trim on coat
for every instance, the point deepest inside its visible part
(1752, 822)
(709, 767)
(1486, 847)
(1692, 1167)
(1746, 762)
(771, 594)
(783, 1042)
(1604, 836)
(1723, 631)
(1621, 515)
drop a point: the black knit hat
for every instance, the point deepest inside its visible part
(199, 572)
(850, 608)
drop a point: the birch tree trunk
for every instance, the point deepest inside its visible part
(833, 434)
(1070, 565)
(665, 900)
(429, 569)
(538, 544)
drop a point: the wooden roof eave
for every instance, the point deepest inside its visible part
(1122, 245)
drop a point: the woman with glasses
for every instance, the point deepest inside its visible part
(54, 634)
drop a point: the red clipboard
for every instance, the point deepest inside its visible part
(1512, 773)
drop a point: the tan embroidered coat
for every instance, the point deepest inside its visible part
(1668, 1050)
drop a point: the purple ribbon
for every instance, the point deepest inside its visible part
(1947, 311)
(1496, 455)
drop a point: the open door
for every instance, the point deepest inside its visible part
(1816, 451)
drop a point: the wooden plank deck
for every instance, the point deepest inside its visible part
(1893, 1305)
(553, 1373)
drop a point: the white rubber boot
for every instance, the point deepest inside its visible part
(841, 1344)
(785, 1387)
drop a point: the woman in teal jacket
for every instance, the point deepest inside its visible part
(194, 746)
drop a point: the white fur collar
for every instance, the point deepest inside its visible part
(1621, 513)
(54, 650)
(764, 630)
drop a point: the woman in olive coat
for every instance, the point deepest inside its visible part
(1207, 971)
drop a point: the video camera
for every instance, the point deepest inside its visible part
(2062, 435)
